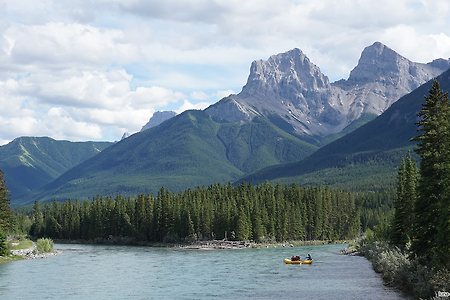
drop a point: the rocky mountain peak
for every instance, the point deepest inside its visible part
(289, 70)
(292, 90)
(377, 63)
(157, 118)
(440, 63)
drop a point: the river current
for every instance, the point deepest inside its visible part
(122, 272)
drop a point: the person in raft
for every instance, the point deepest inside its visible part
(295, 258)
(308, 257)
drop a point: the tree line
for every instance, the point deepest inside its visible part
(265, 212)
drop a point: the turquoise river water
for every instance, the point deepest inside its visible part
(121, 272)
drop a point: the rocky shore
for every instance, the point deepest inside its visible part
(33, 253)
(351, 251)
(218, 244)
(225, 244)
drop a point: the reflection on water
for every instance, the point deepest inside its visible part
(120, 272)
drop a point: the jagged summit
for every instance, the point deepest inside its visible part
(291, 89)
(440, 63)
(378, 61)
(287, 87)
(157, 118)
(291, 69)
(383, 76)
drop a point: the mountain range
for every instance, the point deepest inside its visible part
(185, 151)
(29, 163)
(285, 112)
(291, 91)
(366, 158)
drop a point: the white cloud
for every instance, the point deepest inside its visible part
(79, 105)
(224, 93)
(61, 44)
(187, 105)
(154, 96)
(417, 46)
(199, 95)
(62, 126)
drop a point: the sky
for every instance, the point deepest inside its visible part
(92, 70)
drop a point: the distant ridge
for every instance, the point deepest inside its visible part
(31, 162)
(185, 151)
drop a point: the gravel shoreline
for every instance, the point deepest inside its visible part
(218, 244)
(32, 253)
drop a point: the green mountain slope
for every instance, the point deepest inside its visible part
(188, 150)
(368, 157)
(32, 162)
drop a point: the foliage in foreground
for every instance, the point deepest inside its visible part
(44, 245)
(431, 229)
(400, 271)
(419, 233)
(262, 213)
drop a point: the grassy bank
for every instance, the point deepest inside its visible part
(23, 248)
(9, 258)
(20, 244)
(16, 244)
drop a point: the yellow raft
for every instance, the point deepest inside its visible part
(288, 261)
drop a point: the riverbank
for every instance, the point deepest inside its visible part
(399, 271)
(9, 258)
(352, 249)
(33, 253)
(201, 245)
(25, 249)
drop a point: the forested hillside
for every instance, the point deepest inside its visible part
(186, 151)
(31, 162)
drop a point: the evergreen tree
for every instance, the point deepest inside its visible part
(257, 223)
(431, 230)
(3, 244)
(404, 202)
(5, 210)
(243, 226)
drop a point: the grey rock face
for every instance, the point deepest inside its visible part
(382, 76)
(290, 86)
(157, 118)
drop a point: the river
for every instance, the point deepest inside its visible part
(121, 272)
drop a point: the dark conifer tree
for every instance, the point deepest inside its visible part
(38, 220)
(404, 203)
(5, 210)
(431, 230)
(5, 216)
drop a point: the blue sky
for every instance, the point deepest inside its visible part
(91, 70)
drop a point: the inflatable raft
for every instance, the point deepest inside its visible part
(288, 261)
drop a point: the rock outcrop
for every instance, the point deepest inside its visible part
(157, 118)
